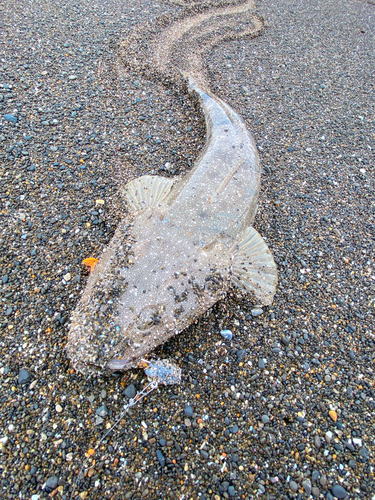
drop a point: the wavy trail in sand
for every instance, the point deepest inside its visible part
(172, 47)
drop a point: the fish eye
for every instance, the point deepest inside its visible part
(148, 317)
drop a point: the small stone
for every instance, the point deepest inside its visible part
(307, 486)
(338, 491)
(265, 419)
(231, 491)
(72, 77)
(10, 118)
(329, 436)
(187, 422)
(160, 457)
(234, 429)
(364, 453)
(317, 442)
(333, 415)
(67, 277)
(241, 354)
(23, 377)
(188, 411)
(3, 443)
(293, 486)
(99, 420)
(51, 483)
(227, 334)
(315, 491)
(257, 311)
(261, 364)
(261, 488)
(103, 394)
(315, 475)
(130, 391)
(357, 442)
(323, 480)
(58, 408)
(102, 411)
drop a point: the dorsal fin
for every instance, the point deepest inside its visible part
(253, 267)
(146, 191)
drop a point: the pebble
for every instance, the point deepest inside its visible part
(293, 486)
(317, 442)
(130, 391)
(24, 377)
(160, 458)
(231, 491)
(256, 311)
(323, 480)
(315, 492)
(265, 419)
(329, 436)
(10, 118)
(51, 483)
(59, 408)
(188, 410)
(315, 210)
(338, 491)
(102, 411)
(307, 486)
(261, 364)
(227, 334)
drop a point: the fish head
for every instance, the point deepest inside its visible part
(143, 326)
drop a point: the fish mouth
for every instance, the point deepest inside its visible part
(117, 365)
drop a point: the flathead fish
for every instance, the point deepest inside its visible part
(190, 239)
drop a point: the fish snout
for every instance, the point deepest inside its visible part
(116, 365)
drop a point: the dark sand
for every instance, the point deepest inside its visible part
(285, 409)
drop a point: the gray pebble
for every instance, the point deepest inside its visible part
(51, 483)
(130, 391)
(160, 457)
(227, 334)
(307, 486)
(257, 311)
(323, 480)
(315, 475)
(315, 491)
(10, 118)
(293, 486)
(102, 411)
(265, 419)
(261, 364)
(338, 491)
(364, 453)
(23, 377)
(231, 491)
(188, 410)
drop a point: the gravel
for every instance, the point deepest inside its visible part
(74, 127)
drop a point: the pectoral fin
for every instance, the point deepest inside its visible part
(253, 267)
(147, 191)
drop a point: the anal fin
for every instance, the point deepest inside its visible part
(253, 267)
(147, 191)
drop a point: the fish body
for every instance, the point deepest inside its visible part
(189, 240)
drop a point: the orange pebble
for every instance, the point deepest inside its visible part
(333, 415)
(90, 262)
